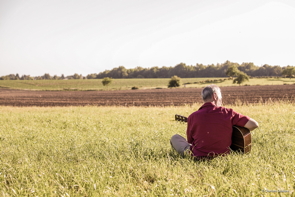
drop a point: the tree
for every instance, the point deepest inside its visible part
(91, 76)
(276, 71)
(289, 71)
(55, 77)
(242, 77)
(77, 76)
(174, 82)
(26, 77)
(232, 71)
(179, 69)
(46, 76)
(106, 81)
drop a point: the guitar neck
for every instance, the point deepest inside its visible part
(180, 118)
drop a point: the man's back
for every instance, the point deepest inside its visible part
(210, 129)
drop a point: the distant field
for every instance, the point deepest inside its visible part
(146, 97)
(127, 84)
(119, 151)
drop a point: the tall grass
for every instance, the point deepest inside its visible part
(127, 84)
(119, 151)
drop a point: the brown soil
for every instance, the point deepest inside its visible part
(152, 97)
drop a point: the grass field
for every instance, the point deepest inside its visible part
(119, 151)
(127, 84)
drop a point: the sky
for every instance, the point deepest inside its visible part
(91, 36)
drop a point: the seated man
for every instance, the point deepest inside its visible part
(209, 130)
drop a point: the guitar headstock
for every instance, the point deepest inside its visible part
(180, 118)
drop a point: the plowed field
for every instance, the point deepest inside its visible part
(151, 97)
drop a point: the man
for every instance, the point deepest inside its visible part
(209, 130)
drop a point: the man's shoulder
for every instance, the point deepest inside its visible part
(230, 112)
(195, 114)
(208, 108)
(225, 109)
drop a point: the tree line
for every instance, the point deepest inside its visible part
(181, 70)
(46, 76)
(194, 71)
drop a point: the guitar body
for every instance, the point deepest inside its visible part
(241, 137)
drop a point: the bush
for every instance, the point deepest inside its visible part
(242, 77)
(106, 81)
(174, 82)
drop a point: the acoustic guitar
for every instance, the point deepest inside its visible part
(241, 137)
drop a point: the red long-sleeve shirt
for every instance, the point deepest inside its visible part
(209, 129)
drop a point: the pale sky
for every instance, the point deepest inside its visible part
(90, 36)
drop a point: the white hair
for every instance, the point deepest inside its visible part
(208, 92)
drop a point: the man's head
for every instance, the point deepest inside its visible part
(212, 93)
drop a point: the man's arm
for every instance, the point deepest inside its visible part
(251, 124)
(189, 135)
(188, 132)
